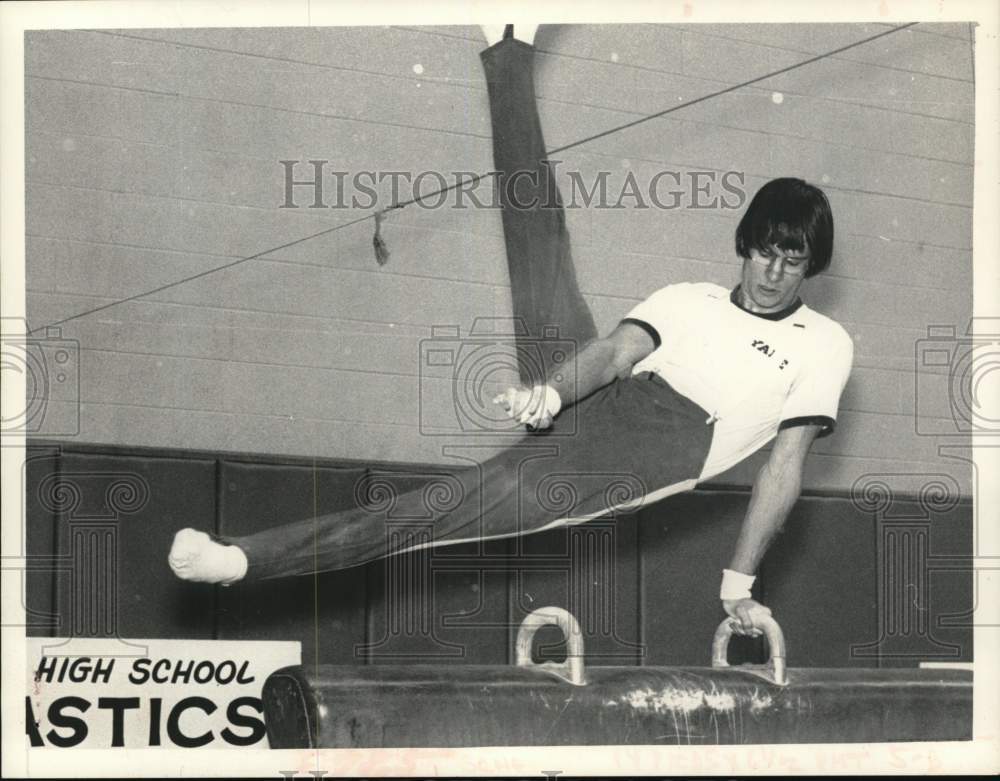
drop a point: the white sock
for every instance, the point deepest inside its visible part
(523, 32)
(493, 32)
(196, 556)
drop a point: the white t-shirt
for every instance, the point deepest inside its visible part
(754, 373)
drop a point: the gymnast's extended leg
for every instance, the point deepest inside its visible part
(624, 443)
(543, 283)
(604, 444)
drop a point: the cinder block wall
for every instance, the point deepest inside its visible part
(153, 155)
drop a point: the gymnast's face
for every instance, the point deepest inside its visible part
(772, 278)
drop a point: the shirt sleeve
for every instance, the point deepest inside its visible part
(658, 314)
(815, 395)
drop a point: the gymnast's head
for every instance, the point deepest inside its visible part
(788, 215)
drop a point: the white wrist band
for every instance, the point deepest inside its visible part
(552, 400)
(735, 585)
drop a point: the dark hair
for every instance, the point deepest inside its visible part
(789, 214)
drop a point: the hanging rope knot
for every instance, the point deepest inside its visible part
(381, 250)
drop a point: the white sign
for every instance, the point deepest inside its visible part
(150, 693)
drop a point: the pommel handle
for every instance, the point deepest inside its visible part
(570, 670)
(775, 644)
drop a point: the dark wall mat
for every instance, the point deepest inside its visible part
(324, 612)
(39, 479)
(442, 605)
(117, 526)
(426, 610)
(819, 579)
(863, 587)
(684, 542)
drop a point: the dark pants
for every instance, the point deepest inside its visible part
(627, 440)
(543, 284)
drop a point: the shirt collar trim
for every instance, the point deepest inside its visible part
(734, 298)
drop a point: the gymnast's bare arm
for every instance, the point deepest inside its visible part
(597, 364)
(775, 490)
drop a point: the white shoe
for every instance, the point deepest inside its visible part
(197, 557)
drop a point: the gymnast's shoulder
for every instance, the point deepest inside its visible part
(692, 291)
(832, 332)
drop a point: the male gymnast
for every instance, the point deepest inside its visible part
(692, 381)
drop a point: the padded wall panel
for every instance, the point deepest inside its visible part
(132, 505)
(685, 541)
(854, 586)
(926, 609)
(819, 579)
(39, 542)
(324, 612)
